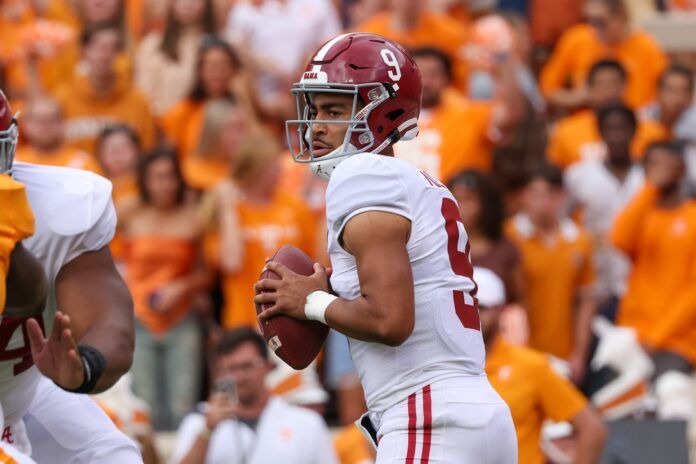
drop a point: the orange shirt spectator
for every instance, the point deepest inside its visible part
(576, 137)
(455, 133)
(557, 271)
(103, 96)
(658, 232)
(43, 128)
(550, 18)
(165, 273)
(554, 270)
(223, 127)
(206, 136)
(608, 34)
(411, 25)
(533, 391)
(118, 153)
(255, 219)
(529, 385)
(50, 42)
(53, 38)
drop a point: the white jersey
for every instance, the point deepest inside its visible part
(73, 214)
(284, 433)
(446, 339)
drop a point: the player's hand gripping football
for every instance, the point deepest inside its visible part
(288, 295)
(57, 357)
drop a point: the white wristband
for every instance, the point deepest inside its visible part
(317, 302)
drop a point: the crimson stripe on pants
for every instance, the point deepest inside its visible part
(427, 425)
(411, 452)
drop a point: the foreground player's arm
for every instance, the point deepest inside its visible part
(97, 312)
(90, 290)
(385, 310)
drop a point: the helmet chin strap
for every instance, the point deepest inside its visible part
(324, 169)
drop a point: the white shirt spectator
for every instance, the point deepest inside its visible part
(284, 433)
(601, 196)
(280, 35)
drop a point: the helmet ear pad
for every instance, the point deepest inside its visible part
(389, 119)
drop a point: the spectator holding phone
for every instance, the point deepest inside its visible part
(242, 423)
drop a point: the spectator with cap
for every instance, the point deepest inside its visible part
(43, 128)
(242, 422)
(530, 386)
(102, 95)
(558, 271)
(598, 189)
(606, 34)
(576, 137)
(457, 133)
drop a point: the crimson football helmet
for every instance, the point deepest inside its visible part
(8, 135)
(386, 87)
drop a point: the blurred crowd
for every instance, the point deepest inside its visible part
(565, 131)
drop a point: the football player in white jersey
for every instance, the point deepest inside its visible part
(401, 286)
(90, 339)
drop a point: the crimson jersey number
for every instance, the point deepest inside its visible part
(22, 353)
(461, 265)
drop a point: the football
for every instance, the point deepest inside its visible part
(294, 341)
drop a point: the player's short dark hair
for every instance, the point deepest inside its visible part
(439, 55)
(232, 339)
(548, 173)
(144, 163)
(673, 147)
(606, 65)
(492, 206)
(680, 70)
(616, 108)
(90, 31)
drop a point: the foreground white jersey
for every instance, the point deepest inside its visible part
(73, 214)
(446, 339)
